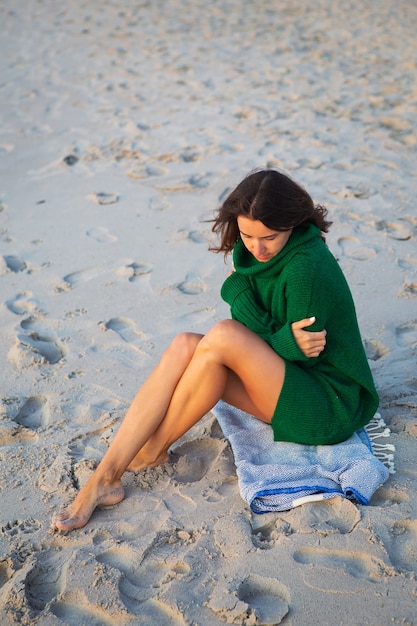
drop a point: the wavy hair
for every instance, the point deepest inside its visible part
(271, 197)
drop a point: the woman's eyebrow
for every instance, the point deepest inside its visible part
(264, 236)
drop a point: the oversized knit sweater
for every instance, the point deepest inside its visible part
(324, 399)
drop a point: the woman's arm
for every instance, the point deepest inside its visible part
(290, 341)
(238, 293)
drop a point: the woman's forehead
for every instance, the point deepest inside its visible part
(254, 228)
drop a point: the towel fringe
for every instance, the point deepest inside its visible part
(376, 429)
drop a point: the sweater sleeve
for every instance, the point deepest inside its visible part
(304, 297)
(238, 293)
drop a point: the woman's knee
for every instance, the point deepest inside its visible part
(223, 335)
(183, 346)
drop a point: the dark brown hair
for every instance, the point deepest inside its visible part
(272, 198)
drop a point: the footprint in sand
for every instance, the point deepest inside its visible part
(104, 198)
(409, 290)
(15, 264)
(75, 279)
(406, 334)
(198, 236)
(19, 527)
(156, 170)
(266, 532)
(53, 585)
(47, 578)
(231, 535)
(34, 349)
(268, 599)
(351, 248)
(331, 566)
(409, 265)
(125, 328)
(90, 444)
(160, 612)
(402, 545)
(58, 476)
(336, 515)
(139, 271)
(101, 235)
(89, 448)
(386, 497)
(11, 433)
(374, 350)
(34, 413)
(226, 490)
(17, 532)
(145, 576)
(201, 181)
(38, 339)
(23, 303)
(190, 154)
(72, 611)
(353, 191)
(192, 285)
(394, 230)
(82, 276)
(196, 458)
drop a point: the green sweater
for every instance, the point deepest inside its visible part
(324, 399)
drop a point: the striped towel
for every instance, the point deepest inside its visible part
(277, 476)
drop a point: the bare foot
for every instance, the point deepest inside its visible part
(140, 462)
(91, 496)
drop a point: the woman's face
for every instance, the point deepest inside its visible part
(260, 240)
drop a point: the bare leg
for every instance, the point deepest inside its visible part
(231, 363)
(104, 488)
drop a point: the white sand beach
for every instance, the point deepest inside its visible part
(123, 124)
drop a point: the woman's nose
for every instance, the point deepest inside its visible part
(258, 247)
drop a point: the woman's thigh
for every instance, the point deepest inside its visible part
(256, 373)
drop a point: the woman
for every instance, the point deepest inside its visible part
(291, 355)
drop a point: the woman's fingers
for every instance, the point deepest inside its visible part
(304, 323)
(311, 343)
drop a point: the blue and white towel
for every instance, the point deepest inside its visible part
(277, 476)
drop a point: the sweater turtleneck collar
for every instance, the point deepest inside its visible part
(245, 263)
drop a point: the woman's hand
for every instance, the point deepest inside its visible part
(310, 343)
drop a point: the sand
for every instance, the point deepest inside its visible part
(123, 124)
